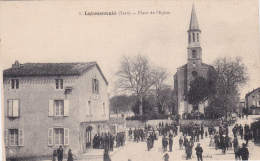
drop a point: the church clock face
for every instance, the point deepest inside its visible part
(194, 74)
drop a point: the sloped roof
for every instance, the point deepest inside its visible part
(252, 91)
(193, 20)
(50, 69)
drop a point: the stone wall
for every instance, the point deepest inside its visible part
(141, 124)
(206, 123)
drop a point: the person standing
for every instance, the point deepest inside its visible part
(60, 154)
(181, 143)
(166, 157)
(106, 156)
(170, 144)
(70, 157)
(185, 142)
(54, 156)
(236, 151)
(199, 152)
(243, 152)
(188, 150)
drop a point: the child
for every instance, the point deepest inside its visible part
(166, 157)
(206, 134)
(55, 155)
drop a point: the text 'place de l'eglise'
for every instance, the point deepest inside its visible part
(48, 105)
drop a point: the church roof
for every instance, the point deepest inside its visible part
(193, 20)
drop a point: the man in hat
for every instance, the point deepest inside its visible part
(243, 152)
(199, 152)
(60, 153)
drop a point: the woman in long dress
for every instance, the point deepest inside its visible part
(212, 140)
(70, 157)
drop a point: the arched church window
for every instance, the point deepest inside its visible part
(193, 37)
(198, 37)
(189, 37)
(194, 54)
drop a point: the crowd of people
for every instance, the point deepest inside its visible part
(58, 155)
(106, 141)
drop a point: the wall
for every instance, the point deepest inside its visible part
(141, 124)
(34, 95)
(84, 86)
(206, 123)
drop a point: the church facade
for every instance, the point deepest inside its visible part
(191, 70)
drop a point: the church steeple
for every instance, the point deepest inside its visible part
(194, 49)
(193, 20)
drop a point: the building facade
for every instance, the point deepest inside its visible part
(51, 104)
(193, 69)
(253, 102)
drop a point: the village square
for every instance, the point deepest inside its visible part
(65, 111)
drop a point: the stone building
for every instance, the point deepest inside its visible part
(51, 104)
(194, 68)
(253, 101)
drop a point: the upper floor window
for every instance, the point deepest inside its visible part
(59, 107)
(104, 110)
(193, 37)
(95, 86)
(90, 108)
(198, 40)
(15, 83)
(189, 37)
(13, 108)
(194, 54)
(59, 83)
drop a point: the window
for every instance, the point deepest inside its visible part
(58, 136)
(189, 37)
(198, 37)
(59, 83)
(13, 108)
(90, 108)
(194, 55)
(59, 107)
(104, 110)
(258, 104)
(253, 103)
(193, 37)
(14, 137)
(95, 86)
(15, 83)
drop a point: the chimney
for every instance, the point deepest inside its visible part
(16, 64)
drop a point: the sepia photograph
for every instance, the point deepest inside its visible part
(127, 80)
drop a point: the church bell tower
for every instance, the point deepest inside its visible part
(194, 49)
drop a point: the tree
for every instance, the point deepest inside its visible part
(232, 74)
(200, 91)
(122, 103)
(136, 75)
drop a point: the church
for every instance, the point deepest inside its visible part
(188, 72)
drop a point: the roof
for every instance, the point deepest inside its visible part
(253, 91)
(193, 20)
(49, 69)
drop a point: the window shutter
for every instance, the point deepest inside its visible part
(88, 107)
(66, 107)
(50, 137)
(15, 108)
(66, 136)
(254, 103)
(50, 107)
(21, 137)
(92, 109)
(10, 108)
(97, 86)
(6, 137)
(93, 90)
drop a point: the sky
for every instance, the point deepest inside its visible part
(55, 32)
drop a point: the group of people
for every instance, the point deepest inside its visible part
(58, 155)
(193, 130)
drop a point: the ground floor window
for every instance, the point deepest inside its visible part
(58, 136)
(13, 137)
